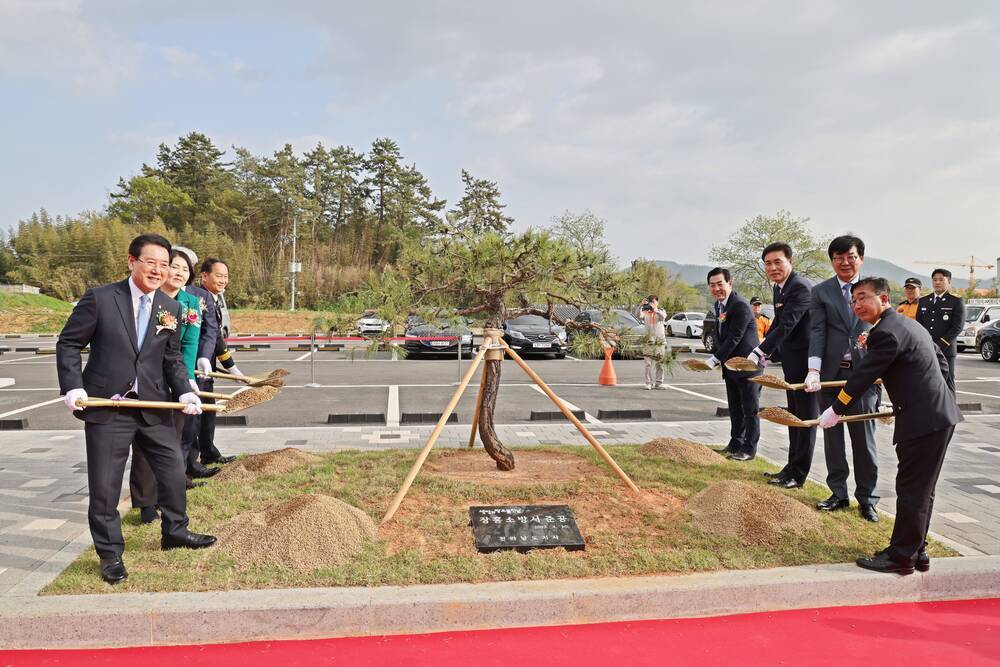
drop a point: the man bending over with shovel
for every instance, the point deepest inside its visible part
(915, 375)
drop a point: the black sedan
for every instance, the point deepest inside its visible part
(988, 341)
(532, 334)
(423, 338)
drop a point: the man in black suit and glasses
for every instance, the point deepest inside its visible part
(737, 333)
(134, 340)
(787, 341)
(916, 376)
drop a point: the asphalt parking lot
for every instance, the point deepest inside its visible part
(391, 391)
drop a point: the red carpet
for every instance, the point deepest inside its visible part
(962, 633)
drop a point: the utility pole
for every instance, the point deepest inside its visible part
(294, 266)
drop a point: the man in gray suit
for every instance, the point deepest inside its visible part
(836, 346)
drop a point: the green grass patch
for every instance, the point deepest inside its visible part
(429, 540)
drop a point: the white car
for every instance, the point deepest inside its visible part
(978, 313)
(686, 323)
(371, 325)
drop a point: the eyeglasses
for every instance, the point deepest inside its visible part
(846, 259)
(863, 297)
(153, 264)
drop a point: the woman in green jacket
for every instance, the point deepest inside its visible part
(142, 483)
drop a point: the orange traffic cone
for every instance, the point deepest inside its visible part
(607, 376)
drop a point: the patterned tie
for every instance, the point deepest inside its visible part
(142, 321)
(847, 295)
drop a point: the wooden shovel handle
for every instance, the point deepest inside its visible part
(808, 423)
(214, 394)
(128, 403)
(229, 376)
(829, 384)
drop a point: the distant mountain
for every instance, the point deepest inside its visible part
(694, 274)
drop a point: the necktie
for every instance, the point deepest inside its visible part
(142, 321)
(847, 295)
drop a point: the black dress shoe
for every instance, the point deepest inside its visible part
(868, 512)
(882, 562)
(832, 504)
(191, 484)
(725, 451)
(787, 483)
(740, 456)
(220, 459)
(186, 541)
(772, 475)
(113, 570)
(148, 514)
(923, 562)
(199, 471)
(777, 480)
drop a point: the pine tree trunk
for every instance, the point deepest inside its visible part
(491, 389)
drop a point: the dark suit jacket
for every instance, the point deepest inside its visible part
(104, 320)
(209, 322)
(789, 332)
(944, 320)
(736, 331)
(914, 372)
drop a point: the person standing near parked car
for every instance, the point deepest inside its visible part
(943, 315)
(656, 344)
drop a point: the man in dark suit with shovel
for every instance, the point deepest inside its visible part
(915, 374)
(132, 331)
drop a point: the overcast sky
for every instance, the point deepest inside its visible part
(673, 121)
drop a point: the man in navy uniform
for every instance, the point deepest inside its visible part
(914, 372)
(943, 315)
(787, 341)
(833, 353)
(737, 334)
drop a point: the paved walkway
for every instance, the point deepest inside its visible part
(43, 483)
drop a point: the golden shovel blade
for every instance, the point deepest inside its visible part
(772, 382)
(741, 364)
(248, 398)
(696, 365)
(780, 416)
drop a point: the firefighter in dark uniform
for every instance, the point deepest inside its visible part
(215, 279)
(943, 315)
(914, 372)
(911, 287)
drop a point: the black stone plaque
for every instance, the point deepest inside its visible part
(524, 527)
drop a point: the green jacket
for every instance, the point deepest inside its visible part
(190, 329)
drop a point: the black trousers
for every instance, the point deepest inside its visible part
(107, 451)
(141, 479)
(801, 441)
(206, 425)
(920, 463)
(743, 397)
(951, 366)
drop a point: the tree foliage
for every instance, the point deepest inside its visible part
(741, 253)
(583, 231)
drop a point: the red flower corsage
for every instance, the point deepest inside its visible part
(863, 341)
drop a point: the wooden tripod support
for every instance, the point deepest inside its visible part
(494, 347)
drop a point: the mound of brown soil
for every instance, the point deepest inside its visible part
(529, 467)
(304, 533)
(249, 468)
(682, 450)
(755, 514)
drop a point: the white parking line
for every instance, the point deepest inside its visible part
(392, 407)
(972, 393)
(694, 393)
(586, 415)
(304, 356)
(31, 407)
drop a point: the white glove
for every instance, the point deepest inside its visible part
(193, 406)
(204, 365)
(812, 382)
(712, 362)
(194, 386)
(74, 395)
(235, 370)
(829, 418)
(757, 357)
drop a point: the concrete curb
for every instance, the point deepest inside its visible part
(143, 619)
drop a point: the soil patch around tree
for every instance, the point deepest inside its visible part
(753, 513)
(532, 467)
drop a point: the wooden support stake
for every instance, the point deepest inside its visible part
(569, 415)
(410, 476)
(479, 407)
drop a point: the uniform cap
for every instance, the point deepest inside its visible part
(190, 253)
(915, 282)
(756, 300)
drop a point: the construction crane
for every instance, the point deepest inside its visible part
(971, 265)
